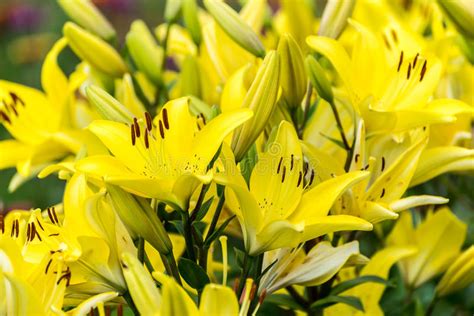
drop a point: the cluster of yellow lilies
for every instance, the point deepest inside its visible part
(229, 162)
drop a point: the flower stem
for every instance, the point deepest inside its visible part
(173, 268)
(339, 126)
(141, 249)
(188, 237)
(126, 296)
(307, 105)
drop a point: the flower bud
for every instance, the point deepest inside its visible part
(86, 14)
(139, 218)
(189, 77)
(292, 72)
(145, 52)
(94, 50)
(261, 99)
(459, 275)
(335, 16)
(318, 79)
(172, 10)
(461, 13)
(191, 20)
(107, 106)
(235, 27)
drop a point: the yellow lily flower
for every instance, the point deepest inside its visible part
(294, 267)
(459, 274)
(277, 210)
(166, 158)
(370, 293)
(172, 299)
(434, 254)
(391, 93)
(36, 119)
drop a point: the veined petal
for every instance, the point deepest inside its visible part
(209, 139)
(13, 151)
(417, 200)
(116, 136)
(319, 226)
(375, 212)
(438, 160)
(326, 194)
(277, 234)
(53, 80)
(175, 301)
(218, 300)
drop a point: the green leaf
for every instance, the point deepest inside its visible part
(178, 225)
(198, 229)
(333, 299)
(193, 274)
(204, 209)
(283, 300)
(218, 232)
(346, 285)
(239, 256)
(335, 141)
(248, 163)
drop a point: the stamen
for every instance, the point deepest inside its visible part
(416, 58)
(28, 231)
(132, 130)
(300, 177)
(53, 211)
(385, 40)
(2, 224)
(162, 132)
(165, 118)
(367, 167)
(423, 70)
(283, 174)
(17, 226)
(383, 193)
(48, 265)
(148, 119)
(394, 35)
(12, 107)
(137, 127)
(357, 158)
(311, 178)
(16, 98)
(39, 224)
(53, 235)
(147, 144)
(5, 117)
(408, 71)
(400, 61)
(291, 165)
(305, 168)
(203, 118)
(279, 165)
(383, 163)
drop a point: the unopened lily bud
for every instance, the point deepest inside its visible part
(461, 13)
(459, 275)
(189, 78)
(145, 52)
(172, 10)
(107, 106)
(94, 50)
(318, 79)
(139, 218)
(335, 16)
(191, 20)
(198, 107)
(86, 14)
(292, 72)
(235, 27)
(261, 99)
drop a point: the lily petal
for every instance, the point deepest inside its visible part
(417, 200)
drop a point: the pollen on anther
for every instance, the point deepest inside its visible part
(137, 127)
(283, 174)
(400, 61)
(147, 144)
(423, 71)
(311, 179)
(409, 71)
(383, 193)
(383, 163)
(132, 129)
(279, 165)
(300, 177)
(416, 58)
(148, 119)
(292, 162)
(162, 132)
(5, 117)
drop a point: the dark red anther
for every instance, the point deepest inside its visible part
(165, 118)
(148, 121)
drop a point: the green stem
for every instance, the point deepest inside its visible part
(297, 297)
(141, 249)
(202, 194)
(339, 125)
(307, 104)
(188, 237)
(126, 296)
(173, 267)
(245, 273)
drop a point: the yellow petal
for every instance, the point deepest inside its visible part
(459, 274)
(417, 200)
(53, 80)
(218, 300)
(175, 301)
(319, 226)
(13, 151)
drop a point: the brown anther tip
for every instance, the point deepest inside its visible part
(300, 177)
(5, 117)
(148, 119)
(356, 158)
(383, 193)
(137, 127)
(16, 98)
(164, 113)
(400, 61)
(283, 174)
(311, 179)
(162, 132)
(236, 285)
(409, 71)
(423, 71)
(147, 144)
(262, 296)
(253, 291)
(203, 118)
(383, 163)
(394, 35)
(279, 165)
(292, 162)
(132, 129)
(414, 60)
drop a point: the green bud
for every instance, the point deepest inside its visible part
(94, 50)
(292, 72)
(461, 13)
(191, 20)
(172, 10)
(107, 106)
(197, 107)
(335, 16)
(139, 218)
(261, 99)
(145, 52)
(86, 14)
(235, 27)
(190, 82)
(318, 79)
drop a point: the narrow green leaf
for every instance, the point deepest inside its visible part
(283, 300)
(333, 299)
(335, 141)
(193, 274)
(218, 232)
(204, 209)
(346, 285)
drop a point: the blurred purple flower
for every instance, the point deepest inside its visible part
(24, 17)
